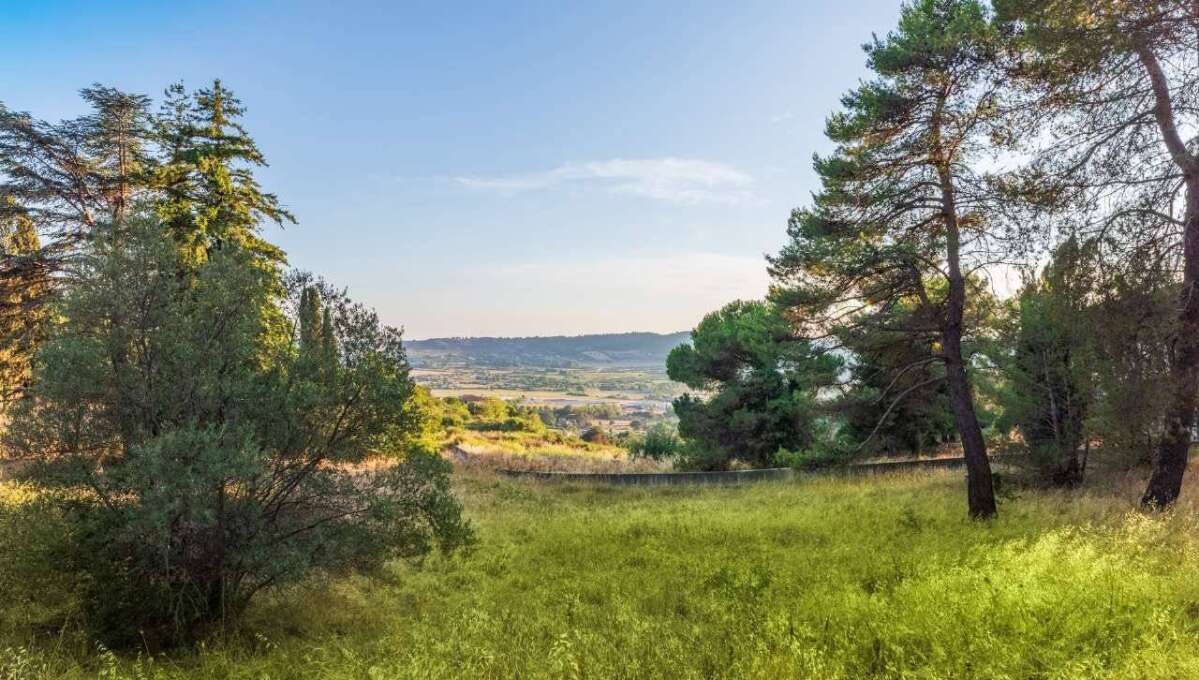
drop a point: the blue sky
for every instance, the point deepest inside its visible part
(503, 168)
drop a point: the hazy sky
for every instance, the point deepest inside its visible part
(496, 168)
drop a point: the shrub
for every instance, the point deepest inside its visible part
(199, 430)
(660, 442)
(595, 435)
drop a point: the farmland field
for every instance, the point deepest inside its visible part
(821, 578)
(646, 386)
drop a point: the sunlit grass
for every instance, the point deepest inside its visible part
(542, 451)
(829, 578)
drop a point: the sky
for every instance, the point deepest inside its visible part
(496, 168)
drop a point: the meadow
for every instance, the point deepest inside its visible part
(820, 578)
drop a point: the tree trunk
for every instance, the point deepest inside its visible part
(1170, 463)
(980, 493)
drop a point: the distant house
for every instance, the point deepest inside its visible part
(471, 398)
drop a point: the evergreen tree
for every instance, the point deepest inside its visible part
(901, 205)
(200, 461)
(1118, 81)
(310, 318)
(23, 291)
(1052, 366)
(897, 399)
(209, 194)
(764, 385)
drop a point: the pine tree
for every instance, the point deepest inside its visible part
(70, 176)
(902, 217)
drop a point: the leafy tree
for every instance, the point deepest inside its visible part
(199, 459)
(193, 164)
(453, 412)
(903, 215)
(1118, 82)
(763, 382)
(68, 177)
(490, 409)
(1132, 322)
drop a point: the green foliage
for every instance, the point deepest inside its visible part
(24, 287)
(1087, 355)
(897, 399)
(452, 412)
(208, 194)
(660, 442)
(200, 457)
(906, 214)
(1051, 368)
(490, 409)
(764, 386)
(497, 415)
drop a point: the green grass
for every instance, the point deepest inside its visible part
(879, 577)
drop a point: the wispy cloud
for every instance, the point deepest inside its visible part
(781, 117)
(677, 180)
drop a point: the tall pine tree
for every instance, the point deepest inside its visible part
(903, 218)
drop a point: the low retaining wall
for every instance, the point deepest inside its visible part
(657, 478)
(742, 476)
(888, 466)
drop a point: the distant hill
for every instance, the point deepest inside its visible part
(614, 349)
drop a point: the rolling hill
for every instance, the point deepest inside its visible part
(615, 349)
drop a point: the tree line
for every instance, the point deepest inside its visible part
(1053, 138)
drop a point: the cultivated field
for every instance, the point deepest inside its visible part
(826, 578)
(629, 386)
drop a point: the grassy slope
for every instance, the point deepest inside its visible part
(825, 578)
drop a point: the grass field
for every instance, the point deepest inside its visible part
(826, 578)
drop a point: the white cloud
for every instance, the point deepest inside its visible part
(677, 180)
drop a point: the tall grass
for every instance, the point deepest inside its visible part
(828, 578)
